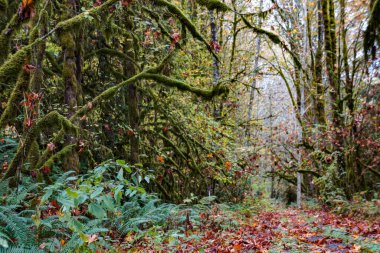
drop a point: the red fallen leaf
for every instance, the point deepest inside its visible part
(76, 212)
(92, 238)
(55, 204)
(28, 68)
(238, 247)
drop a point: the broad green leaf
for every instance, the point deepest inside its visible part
(120, 174)
(72, 193)
(47, 195)
(118, 194)
(120, 162)
(97, 192)
(97, 210)
(3, 243)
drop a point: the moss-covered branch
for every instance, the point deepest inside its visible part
(113, 52)
(49, 121)
(78, 19)
(12, 66)
(16, 96)
(274, 38)
(214, 5)
(217, 90)
(59, 156)
(186, 22)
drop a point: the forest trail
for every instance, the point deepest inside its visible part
(281, 230)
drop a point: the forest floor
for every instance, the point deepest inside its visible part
(279, 229)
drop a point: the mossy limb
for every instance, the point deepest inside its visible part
(187, 23)
(3, 5)
(274, 38)
(49, 121)
(16, 96)
(214, 5)
(87, 15)
(12, 66)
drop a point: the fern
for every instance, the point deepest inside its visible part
(21, 250)
(15, 226)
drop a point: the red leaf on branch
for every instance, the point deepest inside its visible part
(28, 68)
(126, 3)
(97, 3)
(215, 46)
(26, 10)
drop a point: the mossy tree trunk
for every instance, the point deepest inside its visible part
(215, 62)
(333, 75)
(71, 71)
(317, 72)
(132, 97)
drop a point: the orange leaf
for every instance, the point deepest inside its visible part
(228, 165)
(238, 247)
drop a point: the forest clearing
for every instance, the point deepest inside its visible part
(189, 126)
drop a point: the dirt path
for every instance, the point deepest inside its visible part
(282, 230)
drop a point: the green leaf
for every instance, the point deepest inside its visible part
(120, 162)
(46, 195)
(71, 193)
(120, 174)
(97, 211)
(118, 194)
(3, 243)
(97, 192)
(108, 203)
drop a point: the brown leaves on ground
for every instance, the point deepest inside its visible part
(268, 231)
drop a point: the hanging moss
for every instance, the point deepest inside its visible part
(12, 66)
(11, 109)
(274, 38)
(49, 121)
(3, 5)
(87, 15)
(186, 22)
(372, 33)
(214, 5)
(59, 156)
(6, 36)
(217, 90)
(34, 154)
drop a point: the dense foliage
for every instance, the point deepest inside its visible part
(112, 109)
